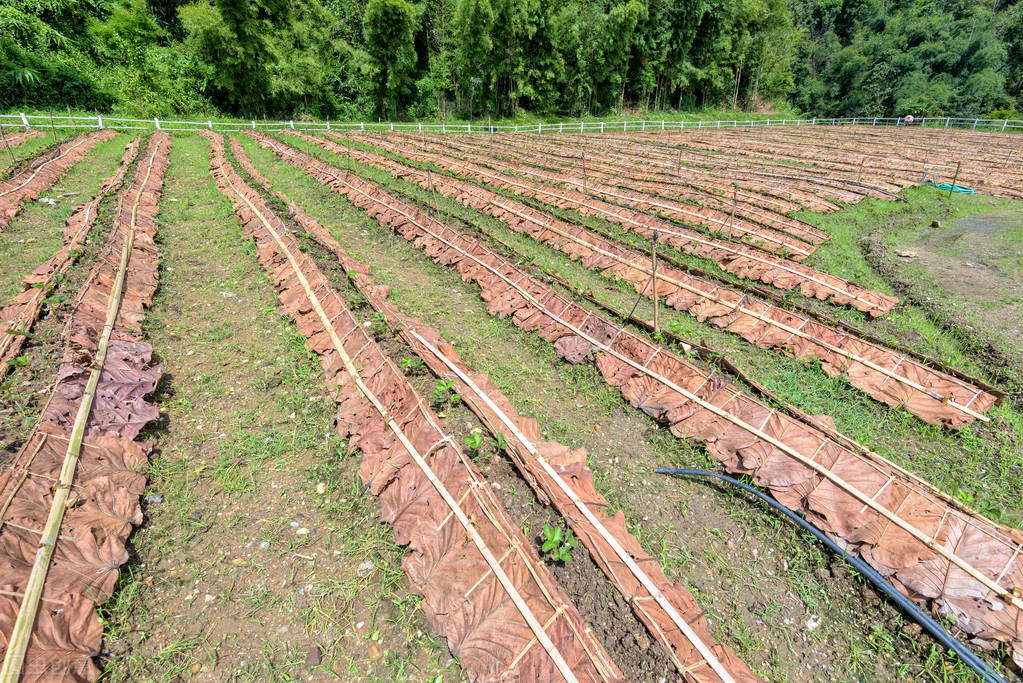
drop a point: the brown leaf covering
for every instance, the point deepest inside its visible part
(103, 504)
(884, 156)
(43, 172)
(758, 322)
(743, 436)
(740, 259)
(462, 597)
(618, 167)
(25, 308)
(776, 235)
(570, 466)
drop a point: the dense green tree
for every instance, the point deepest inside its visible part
(483, 58)
(920, 57)
(388, 29)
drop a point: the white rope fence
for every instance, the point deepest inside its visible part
(43, 121)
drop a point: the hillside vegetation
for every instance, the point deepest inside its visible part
(508, 58)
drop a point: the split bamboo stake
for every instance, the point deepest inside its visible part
(653, 278)
(22, 631)
(735, 199)
(868, 501)
(584, 172)
(6, 144)
(954, 179)
(538, 629)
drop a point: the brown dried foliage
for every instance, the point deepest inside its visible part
(739, 259)
(462, 598)
(25, 308)
(109, 477)
(43, 172)
(740, 437)
(756, 321)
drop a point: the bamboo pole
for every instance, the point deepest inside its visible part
(954, 179)
(653, 278)
(6, 144)
(22, 631)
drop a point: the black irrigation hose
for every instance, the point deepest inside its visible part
(910, 607)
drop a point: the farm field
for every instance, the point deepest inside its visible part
(387, 406)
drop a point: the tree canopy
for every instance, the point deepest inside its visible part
(478, 58)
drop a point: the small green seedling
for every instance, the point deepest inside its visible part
(412, 364)
(474, 441)
(500, 443)
(56, 299)
(558, 543)
(379, 324)
(443, 392)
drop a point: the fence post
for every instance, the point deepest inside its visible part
(682, 124)
(444, 127)
(420, 126)
(362, 126)
(156, 122)
(947, 119)
(1004, 124)
(601, 126)
(561, 127)
(254, 124)
(975, 121)
(539, 128)
(814, 122)
(99, 122)
(24, 121)
(580, 126)
(292, 124)
(643, 127)
(210, 125)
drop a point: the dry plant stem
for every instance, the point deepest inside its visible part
(6, 144)
(470, 529)
(22, 632)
